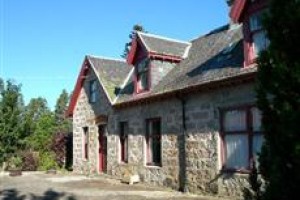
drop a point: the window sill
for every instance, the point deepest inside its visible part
(123, 163)
(236, 171)
(154, 166)
(142, 92)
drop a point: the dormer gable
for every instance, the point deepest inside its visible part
(153, 57)
(250, 13)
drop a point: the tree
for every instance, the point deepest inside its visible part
(278, 96)
(135, 28)
(63, 123)
(32, 113)
(11, 105)
(40, 139)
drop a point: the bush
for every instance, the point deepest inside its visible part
(29, 161)
(59, 148)
(47, 161)
(62, 147)
(14, 162)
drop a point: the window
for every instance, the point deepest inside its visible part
(153, 142)
(85, 138)
(142, 71)
(242, 137)
(93, 91)
(258, 35)
(124, 141)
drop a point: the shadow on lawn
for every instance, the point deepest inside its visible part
(13, 194)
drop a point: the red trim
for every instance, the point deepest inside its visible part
(249, 55)
(228, 82)
(156, 137)
(102, 141)
(166, 57)
(237, 10)
(81, 77)
(132, 52)
(138, 90)
(248, 132)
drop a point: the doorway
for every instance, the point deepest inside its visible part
(102, 141)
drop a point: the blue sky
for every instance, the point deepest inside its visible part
(43, 42)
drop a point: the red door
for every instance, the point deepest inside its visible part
(102, 148)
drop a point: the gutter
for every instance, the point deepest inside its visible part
(183, 181)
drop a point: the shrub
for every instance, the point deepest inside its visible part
(29, 161)
(15, 162)
(62, 147)
(59, 148)
(47, 161)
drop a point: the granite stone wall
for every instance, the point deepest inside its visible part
(190, 157)
(84, 116)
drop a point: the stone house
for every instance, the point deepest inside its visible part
(178, 114)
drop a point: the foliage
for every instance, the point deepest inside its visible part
(11, 105)
(128, 45)
(40, 140)
(32, 114)
(256, 191)
(63, 124)
(47, 161)
(279, 99)
(29, 161)
(26, 132)
(59, 148)
(14, 162)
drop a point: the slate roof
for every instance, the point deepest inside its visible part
(112, 73)
(165, 46)
(215, 56)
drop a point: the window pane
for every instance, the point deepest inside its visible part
(256, 21)
(237, 151)
(257, 144)
(124, 141)
(156, 149)
(260, 42)
(142, 66)
(153, 142)
(86, 142)
(235, 120)
(144, 81)
(93, 90)
(256, 119)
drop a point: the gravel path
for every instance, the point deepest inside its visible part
(39, 186)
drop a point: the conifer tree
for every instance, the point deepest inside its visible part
(278, 92)
(11, 105)
(62, 122)
(135, 28)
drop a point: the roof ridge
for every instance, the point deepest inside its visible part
(163, 37)
(107, 58)
(217, 30)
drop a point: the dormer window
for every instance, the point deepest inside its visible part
(258, 35)
(142, 73)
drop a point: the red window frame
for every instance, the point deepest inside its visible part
(86, 143)
(256, 31)
(249, 51)
(249, 131)
(124, 141)
(153, 142)
(139, 75)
